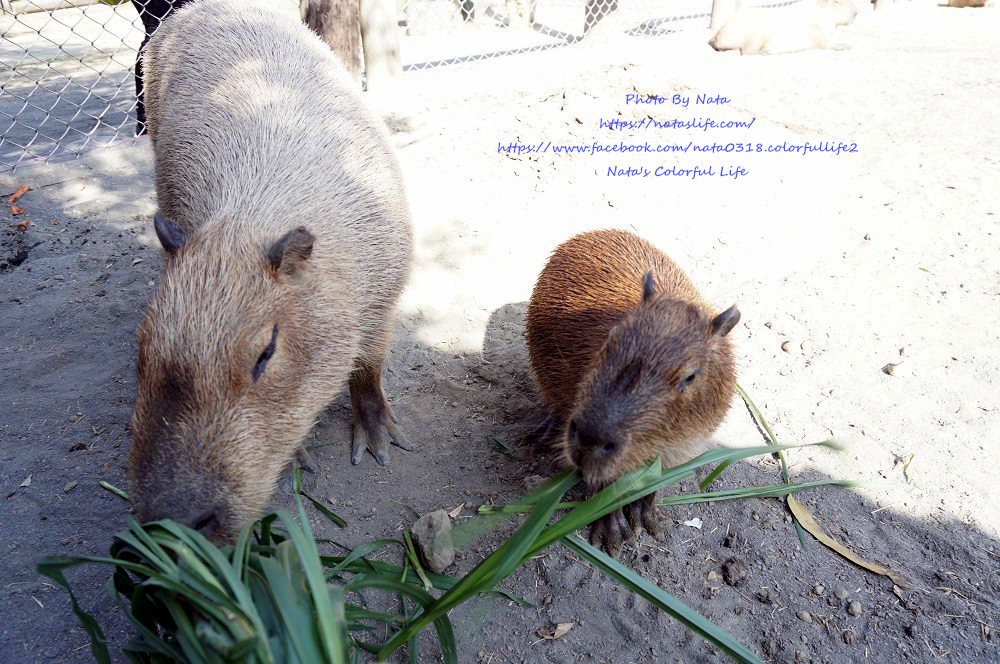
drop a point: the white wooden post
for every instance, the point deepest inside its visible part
(380, 42)
(722, 11)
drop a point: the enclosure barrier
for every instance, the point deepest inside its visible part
(67, 66)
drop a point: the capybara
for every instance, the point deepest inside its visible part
(287, 242)
(809, 24)
(632, 362)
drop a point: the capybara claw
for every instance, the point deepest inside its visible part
(305, 460)
(644, 514)
(398, 439)
(611, 532)
(374, 439)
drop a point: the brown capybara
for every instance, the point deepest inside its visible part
(631, 360)
(287, 242)
(806, 25)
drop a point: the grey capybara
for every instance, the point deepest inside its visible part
(807, 25)
(287, 243)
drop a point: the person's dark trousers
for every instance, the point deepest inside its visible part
(152, 13)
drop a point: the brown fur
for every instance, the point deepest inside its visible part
(285, 222)
(613, 363)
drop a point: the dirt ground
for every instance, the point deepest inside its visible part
(841, 265)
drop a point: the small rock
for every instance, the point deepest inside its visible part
(890, 369)
(912, 630)
(533, 481)
(734, 572)
(854, 608)
(847, 637)
(801, 656)
(769, 647)
(432, 537)
(785, 345)
(764, 596)
(804, 616)
(69, 487)
(819, 589)
(840, 593)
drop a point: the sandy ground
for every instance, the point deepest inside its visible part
(841, 265)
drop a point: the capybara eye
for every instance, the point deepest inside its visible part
(258, 368)
(690, 379)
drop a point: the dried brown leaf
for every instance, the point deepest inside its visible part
(808, 521)
(560, 630)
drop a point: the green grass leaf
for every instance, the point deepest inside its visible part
(661, 599)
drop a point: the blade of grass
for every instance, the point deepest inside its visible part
(442, 624)
(769, 491)
(411, 554)
(705, 483)
(661, 599)
(305, 543)
(334, 518)
(501, 447)
(497, 565)
(357, 554)
(636, 484)
(758, 417)
(291, 606)
(52, 567)
(115, 490)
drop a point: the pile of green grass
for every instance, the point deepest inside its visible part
(273, 597)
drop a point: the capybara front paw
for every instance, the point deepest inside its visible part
(622, 525)
(644, 513)
(305, 460)
(610, 532)
(374, 431)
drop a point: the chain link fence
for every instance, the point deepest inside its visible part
(67, 66)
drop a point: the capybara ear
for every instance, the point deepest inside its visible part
(170, 234)
(648, 286)
(288, 253)
(726, 321)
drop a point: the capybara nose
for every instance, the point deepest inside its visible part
(593, 444)
(202, 520)
(608, 448)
